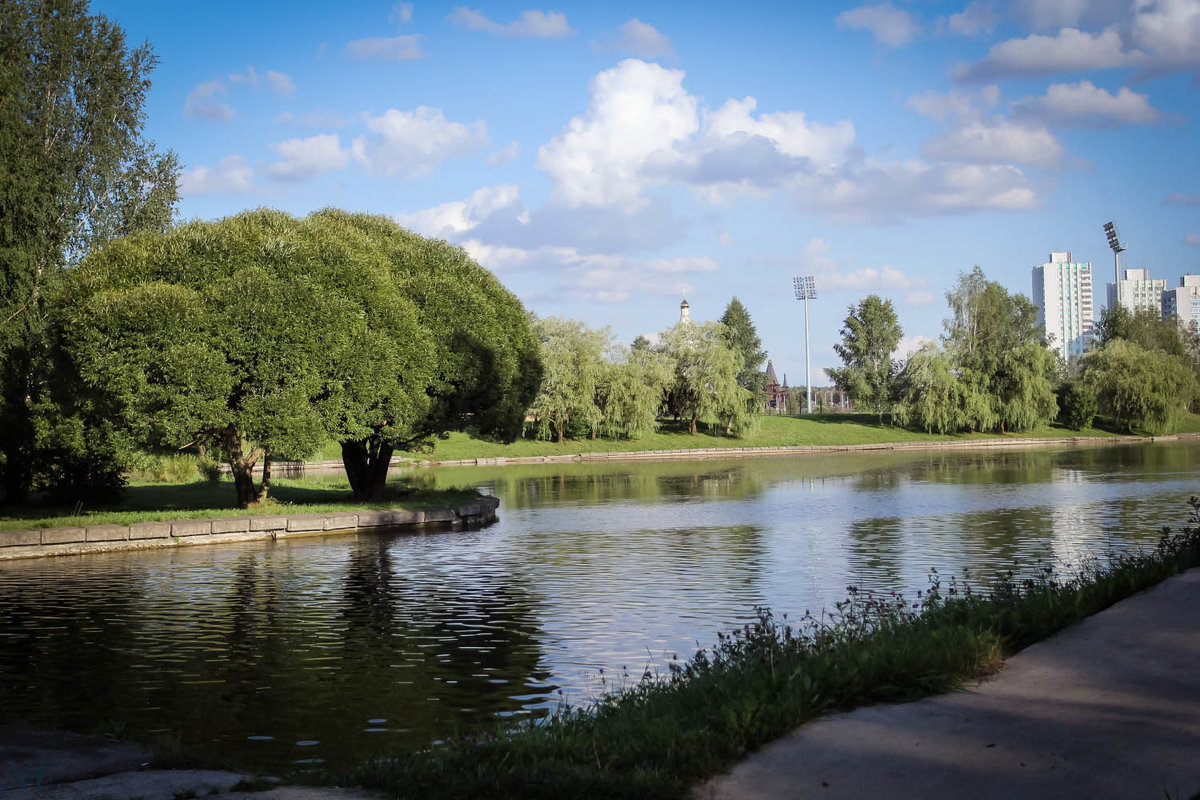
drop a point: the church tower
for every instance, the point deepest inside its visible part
(684, 316)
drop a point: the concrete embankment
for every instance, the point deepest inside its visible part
(35, 542)
(794, 450)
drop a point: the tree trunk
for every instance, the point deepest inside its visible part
(243, 481)
(560, 426)
(241, 465)
(692, 425)
(265, 486)
(366, 464)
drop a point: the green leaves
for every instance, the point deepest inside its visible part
(1140, 388)
(870, 334)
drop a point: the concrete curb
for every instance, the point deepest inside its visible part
(37, 542)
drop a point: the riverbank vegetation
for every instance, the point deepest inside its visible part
(658, 736)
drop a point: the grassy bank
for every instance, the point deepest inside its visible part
(201, 499)
(821, 429)
(659, 737)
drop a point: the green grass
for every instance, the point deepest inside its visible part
(158, 502)
(819, 429)
(658, 737)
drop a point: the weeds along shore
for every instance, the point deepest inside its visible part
(660, 736)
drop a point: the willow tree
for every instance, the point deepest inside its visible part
(931, 397)
(636, 383)
(573, 359)
(1140, 388)
(705, 388)
(1004, 369)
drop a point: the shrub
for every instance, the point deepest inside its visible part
(1077, 405)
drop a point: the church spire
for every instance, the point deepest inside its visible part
(684, 315)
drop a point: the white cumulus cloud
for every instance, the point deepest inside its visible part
(414, 143)
(636, 110)
(997, 141)
(201, 104)
(280, 82)
(975, 20)
(888, 24)
(1036, 55)
(231, 175)
(532, 24)
(460, 216)
(387, 48)
(642, 129)
(1087, 105)
(505, 155)
(637, 38)
(307, 158)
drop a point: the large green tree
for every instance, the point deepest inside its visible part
(1004, 369)
(870, 334)
(705, 388)
(270, 336)
(633, 391)
(483, 368)
(931, 397)
(1145, 328)
(743, 339)
(75, 171)
(573, 355)
(1140, 388)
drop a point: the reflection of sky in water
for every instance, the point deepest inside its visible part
(340, 647)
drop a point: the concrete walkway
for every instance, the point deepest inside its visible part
(1109, 708)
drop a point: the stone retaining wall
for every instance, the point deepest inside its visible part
(36, 542)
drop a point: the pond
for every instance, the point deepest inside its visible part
(328, 650)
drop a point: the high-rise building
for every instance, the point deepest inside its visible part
(1062, 291)
(1183, 301)
(1137, 290)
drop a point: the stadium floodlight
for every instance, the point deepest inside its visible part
(806, 289)
(1116, 245)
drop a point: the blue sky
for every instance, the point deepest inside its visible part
(604, 159)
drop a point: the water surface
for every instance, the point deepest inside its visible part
(327, 650)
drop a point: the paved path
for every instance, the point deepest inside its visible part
(1109, 708)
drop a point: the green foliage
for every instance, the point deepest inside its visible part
(743, 339)
(75, 173)
(1077, 405)
(455, 351)
(931, 397)
(705, 388)
(632, 393)
(1139, 388)
(996, 368)
(1146, 329)
(573, 359)
(870, 334)
(268, 336)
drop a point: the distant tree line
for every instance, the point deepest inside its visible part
(706, 374)
(993, 371)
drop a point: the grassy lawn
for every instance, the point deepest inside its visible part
(157, 502)
(819, 429)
